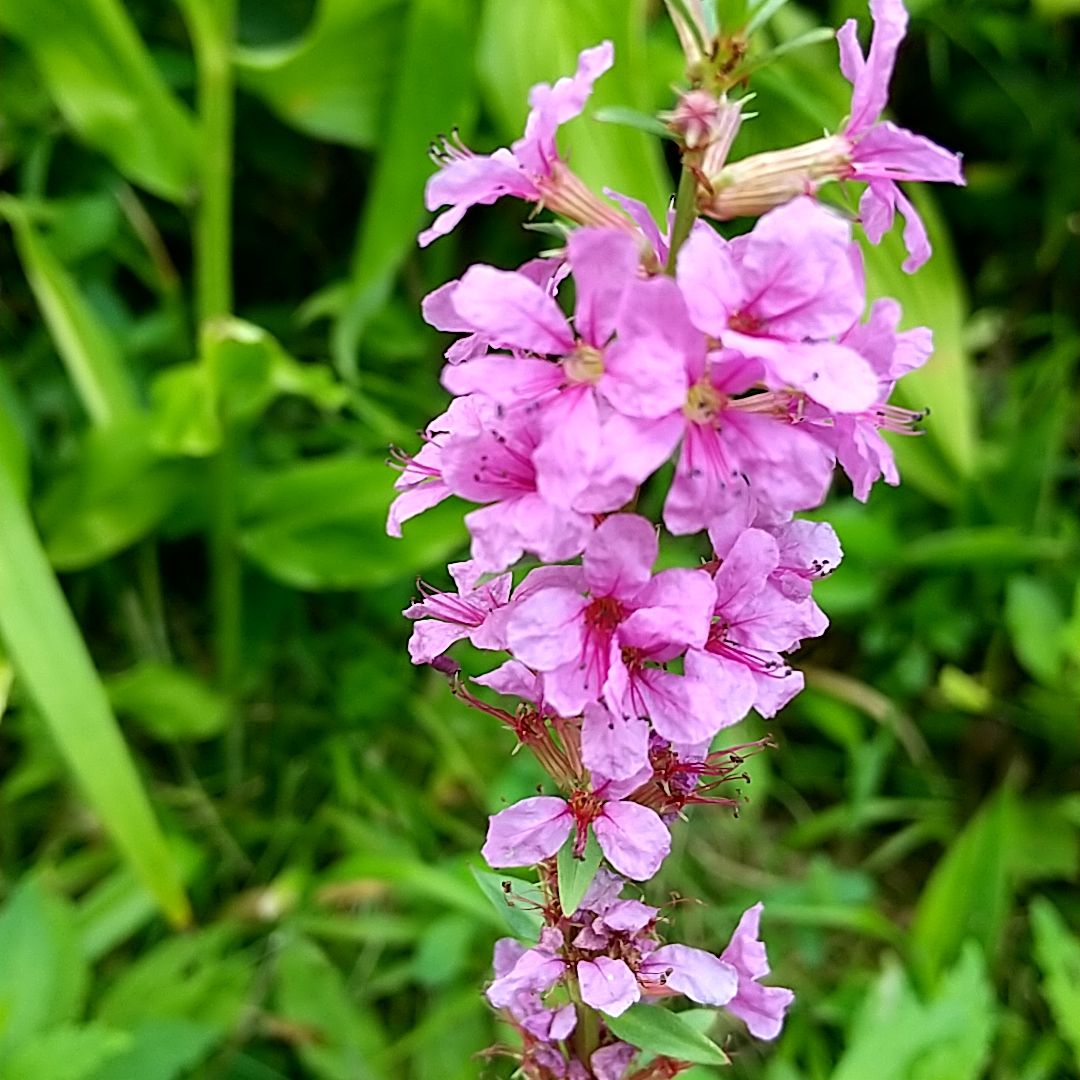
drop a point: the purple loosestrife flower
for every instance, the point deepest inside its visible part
(632, 837)
(780, 295)
(613, 359)
(444, 617)
(761, 1008)
(880, 152)
(531, 169)
(596, 645)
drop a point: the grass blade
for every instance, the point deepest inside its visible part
(53, 665)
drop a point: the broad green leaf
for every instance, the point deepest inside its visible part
(183, 413)
(321, 525)
(43, 978)
(576, 875)
(1036, 623)
(54, 667)
(427, 98)
(117, 493)
(895, 1036)
(444, 950)
(518, 907)
(172, 704)
(65, 1053)
(161, 1050)
(89, 352)
(344, 1038)
(199, 977)
(320, 84)
(968, 893)
(104, 81)
(1058, 954)
(247, 368)
(652, 1027)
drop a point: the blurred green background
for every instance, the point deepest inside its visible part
(237, 829)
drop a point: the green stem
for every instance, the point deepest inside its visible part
(685, 213)
(586, 1035)
(211, 25)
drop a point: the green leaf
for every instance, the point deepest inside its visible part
(652, 1027)
(393, 209)
(172, 704)
(576, 875)
(43, 977)
(321, 525)
(104, 81)
(444, 950)
(1036, 624)
(199, 977)
(247, 368)
(89, 352)
(1058, 954)
(161, 1050)
(627, 117)
(894, 1036)
(65, 1053)
(344, 1038)
(55, 669)
(969, 891)
(318, 84)
(518, 907)
(117, 493)
(183, 413)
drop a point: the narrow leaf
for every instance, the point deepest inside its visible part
(576, 875)
(53, 665)
(87, 348)
(652, 1027)
(516, 906)
(1058, 954)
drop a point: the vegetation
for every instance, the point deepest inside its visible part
(238, 830)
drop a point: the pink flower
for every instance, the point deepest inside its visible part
(445, 617)
(531, 169)
(761, 1008)
(881, 152)
(632, 837)
(598, 644)
(780, 295)
(755, 622)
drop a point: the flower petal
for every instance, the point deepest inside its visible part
(527, 832)
(608, 985)
(633, 838)
(702, 977)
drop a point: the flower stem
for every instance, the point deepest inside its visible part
(587, 1030)
(685, 213)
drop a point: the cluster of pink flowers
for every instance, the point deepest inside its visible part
(754, 365)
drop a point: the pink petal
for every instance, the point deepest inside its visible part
(607, 985)
(546, 631)
(894, 153)
(871, 90)
(710, 280)
(510, 380)
(566, 455)
(619, 556)
(612, 745)
(633, 838)
(512, 311)
(535, 971)
(611, 1062)
(605, 262)
(628, 916)
(834, 375)
(702, 977)
(527, 832)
